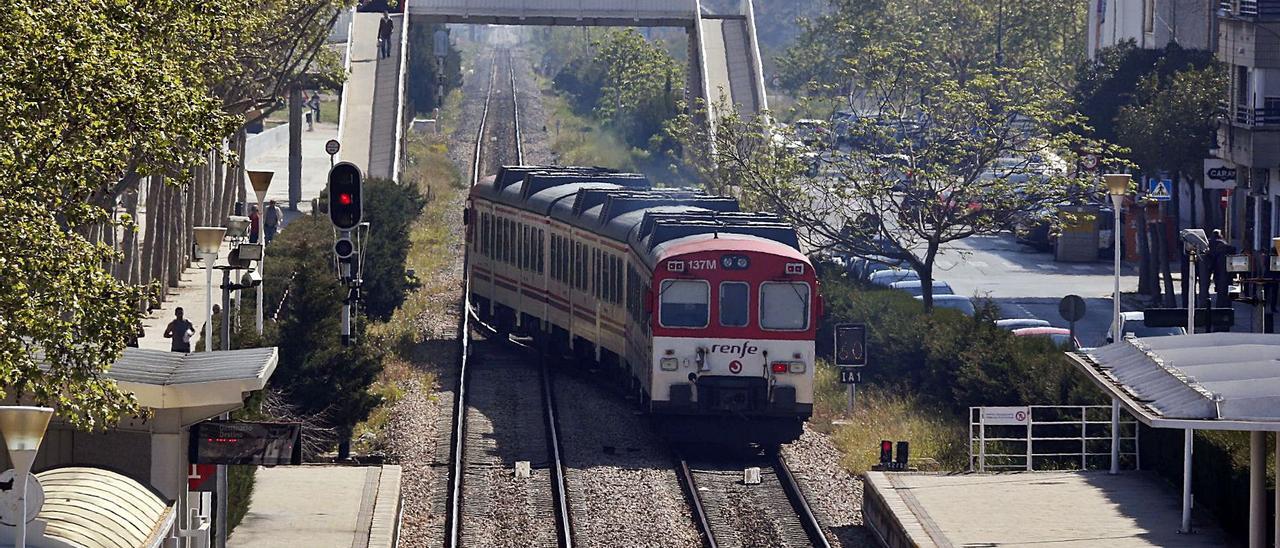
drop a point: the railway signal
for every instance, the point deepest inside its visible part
(346, 212)
(886, 451)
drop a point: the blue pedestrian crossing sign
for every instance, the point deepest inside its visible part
(1160, 189)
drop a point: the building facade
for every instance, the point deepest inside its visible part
(1151, 24)
(1249, 131)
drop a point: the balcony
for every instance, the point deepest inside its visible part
(1268, 117)
(1250, 9)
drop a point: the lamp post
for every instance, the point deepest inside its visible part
(1117, 187)
(23, 429)
(208, 240)
(261, 181)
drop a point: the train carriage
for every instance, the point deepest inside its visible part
(709, 312)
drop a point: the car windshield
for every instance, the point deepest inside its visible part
(684, 303)
(1140, 330)
(1062, 340)
(784, 305)
(962, 304)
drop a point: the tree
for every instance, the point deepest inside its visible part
(962, 35)
(424, 73)
(95, 97)
(945, 156)
(392, 209)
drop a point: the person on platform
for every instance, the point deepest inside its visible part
(254, 222)
(385, 28)
(272, 219)
(180, 330)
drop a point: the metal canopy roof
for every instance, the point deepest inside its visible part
(96, 507)
(1209, 381)
(164, 380)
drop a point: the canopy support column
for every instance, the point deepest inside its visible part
(1257, 489)
(1188, 435)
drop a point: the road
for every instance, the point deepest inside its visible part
(1029, 284)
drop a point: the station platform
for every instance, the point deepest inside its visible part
(1132, 509)
(320, 505)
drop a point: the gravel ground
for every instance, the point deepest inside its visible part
(742, 515)
(623, 490)
(834, 494)
(505, 426)
(534, 137)
(418, 433)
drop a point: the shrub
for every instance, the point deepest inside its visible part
(390, 209)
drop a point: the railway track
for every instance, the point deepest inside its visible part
(731, 513)
(506, 483)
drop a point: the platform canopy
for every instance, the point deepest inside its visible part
(166, 380)
(1210, 381)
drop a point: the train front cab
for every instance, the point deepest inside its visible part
(733, 341)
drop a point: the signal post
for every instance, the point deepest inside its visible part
(346, 212)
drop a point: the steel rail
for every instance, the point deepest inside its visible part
(690, 486)
(453, 523)
(807, 518)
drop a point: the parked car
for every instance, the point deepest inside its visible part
(1021, 323)
(863, 268)
(1133, 323)
(958, 303)
(1059, 336)
(885, 278)
(916, 287)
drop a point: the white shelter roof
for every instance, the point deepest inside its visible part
(95, 507)
(1214, 381)
(165, 380)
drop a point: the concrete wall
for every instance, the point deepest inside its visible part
(258, 144)
(1190, 23)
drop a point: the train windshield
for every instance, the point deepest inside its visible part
(784, 306)
(733, 304)
(684, 303)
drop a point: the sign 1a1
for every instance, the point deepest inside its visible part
(849, 375)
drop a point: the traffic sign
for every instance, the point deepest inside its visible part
(332, 146)
(849, 375)
(1005, 416)
(1071, 308)
(1160, 189)
(851, 345)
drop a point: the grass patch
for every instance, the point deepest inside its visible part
(937, 436)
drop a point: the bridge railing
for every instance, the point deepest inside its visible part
(641, 10)
(1048, 437)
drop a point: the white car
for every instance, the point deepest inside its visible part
(959, 303)
(886, 278)
(1133, 323)
(1021, 323)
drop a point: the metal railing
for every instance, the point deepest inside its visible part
(1052, 437)
(1250, 8)
(1265, 116)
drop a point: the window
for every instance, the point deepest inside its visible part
(734, 298)
(684, 303)
(539, 247)
(784, 306)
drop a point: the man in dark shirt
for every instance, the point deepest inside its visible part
(180, 330)
(384, 36)
(1219, 249)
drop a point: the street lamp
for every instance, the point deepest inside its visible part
(1117, 187)
(208, 241)
(261, 181)
(23, 429)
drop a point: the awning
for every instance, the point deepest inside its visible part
(1209, 381)
(165, 380)
(95, 507)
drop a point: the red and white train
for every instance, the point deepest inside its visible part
(707, 312)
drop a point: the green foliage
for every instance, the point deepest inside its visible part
(1159, 104)
(423, 78)
(391, 210)
(629, 83)
(317, 375)
(950, 360)
(95, 95)
(961, 36)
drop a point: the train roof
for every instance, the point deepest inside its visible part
(626, 208)
(724, 242)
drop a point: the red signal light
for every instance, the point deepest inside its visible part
(886, 451)
(779, 367)
(345, 198)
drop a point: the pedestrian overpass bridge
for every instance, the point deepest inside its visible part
(724, 57)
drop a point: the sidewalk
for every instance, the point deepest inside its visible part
(315, 506)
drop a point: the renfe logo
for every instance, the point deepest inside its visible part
(740, 350)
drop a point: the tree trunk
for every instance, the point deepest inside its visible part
(177, 234)
(154, 245)
(926, 276)
(1170, 298)
(218, 184)
(295, 147)
(1146, 284)
(130, 272)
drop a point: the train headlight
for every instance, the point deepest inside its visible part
(670, 364)
(797, 367)
(787, 367)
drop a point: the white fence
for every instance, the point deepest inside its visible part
(1044, 437)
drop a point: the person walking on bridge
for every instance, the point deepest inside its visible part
(385, 27)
